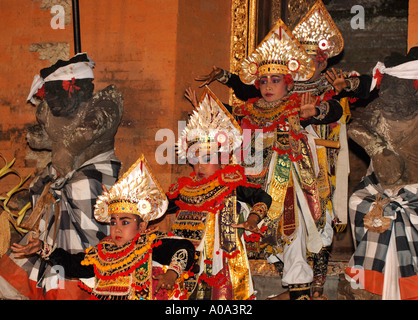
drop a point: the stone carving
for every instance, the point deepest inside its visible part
(387, 129)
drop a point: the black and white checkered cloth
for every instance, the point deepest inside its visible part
(371, 247)
(76, 227)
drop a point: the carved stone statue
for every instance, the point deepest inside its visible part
(388, 127)
(384, 207)
(79, 128)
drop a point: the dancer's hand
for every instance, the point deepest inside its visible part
(249, 225)
(307, 106)
(165, 280)
(336, 80)
(33, 246)
(215, 74)
(191, 96)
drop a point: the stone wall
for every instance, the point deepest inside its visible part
(151, 50)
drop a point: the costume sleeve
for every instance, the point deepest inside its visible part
(327, 112)
(178, 254)
(71, 263)
(172, 207)
(257, 198)
(359, 87)
(242, 91)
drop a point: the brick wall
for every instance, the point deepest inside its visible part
(151, 49)
(412, 24)
(23, 24)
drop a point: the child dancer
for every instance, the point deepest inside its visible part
(210, 204)
(132, 263)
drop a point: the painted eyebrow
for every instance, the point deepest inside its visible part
(122, 218)
(273, 76)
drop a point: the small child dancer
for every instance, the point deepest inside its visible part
(132, 263)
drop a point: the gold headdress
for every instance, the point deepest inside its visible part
(279, 52)
(317, 30)
(137, 192)
(210, 127)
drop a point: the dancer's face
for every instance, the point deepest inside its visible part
(272, 87)
(206, 165)
(123, 227)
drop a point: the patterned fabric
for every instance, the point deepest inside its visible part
(372, 255)
(207, 208)
(126, 272)
(69, 224)
(287, 158)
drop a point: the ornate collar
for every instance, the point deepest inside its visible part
(270, 110)
(207, 194)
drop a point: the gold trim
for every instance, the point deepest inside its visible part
(209, 92)
(243, 35)
(147, 167)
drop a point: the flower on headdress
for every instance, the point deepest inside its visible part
(323, 44)
(378, 76)
(41, 92)
(69, 86)
(288, 79)
(321, 55)
(253, 68)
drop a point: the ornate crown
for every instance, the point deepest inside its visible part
(210, 127)
(279, 52)
(317, 30)
(137, 192)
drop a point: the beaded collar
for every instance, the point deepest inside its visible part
(125, 271)
(207, 194)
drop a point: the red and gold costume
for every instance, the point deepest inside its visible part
(206, 209)
(109, 271)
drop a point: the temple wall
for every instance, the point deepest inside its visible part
(412, 24)
(151, 49)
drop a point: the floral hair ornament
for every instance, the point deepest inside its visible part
(318, 32)
(210, 127)
(70, 86)
(279, 52)
(137, 192)
(78, 67)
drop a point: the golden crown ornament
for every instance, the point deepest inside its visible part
(137, 192)
(279, 52)
(210, 127)
(317, 31)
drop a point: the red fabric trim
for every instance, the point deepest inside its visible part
(130, 270)
(409, 288)
(19, 279)
(119, 254)
(216, 281)
(372, 280)
(231, 255)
